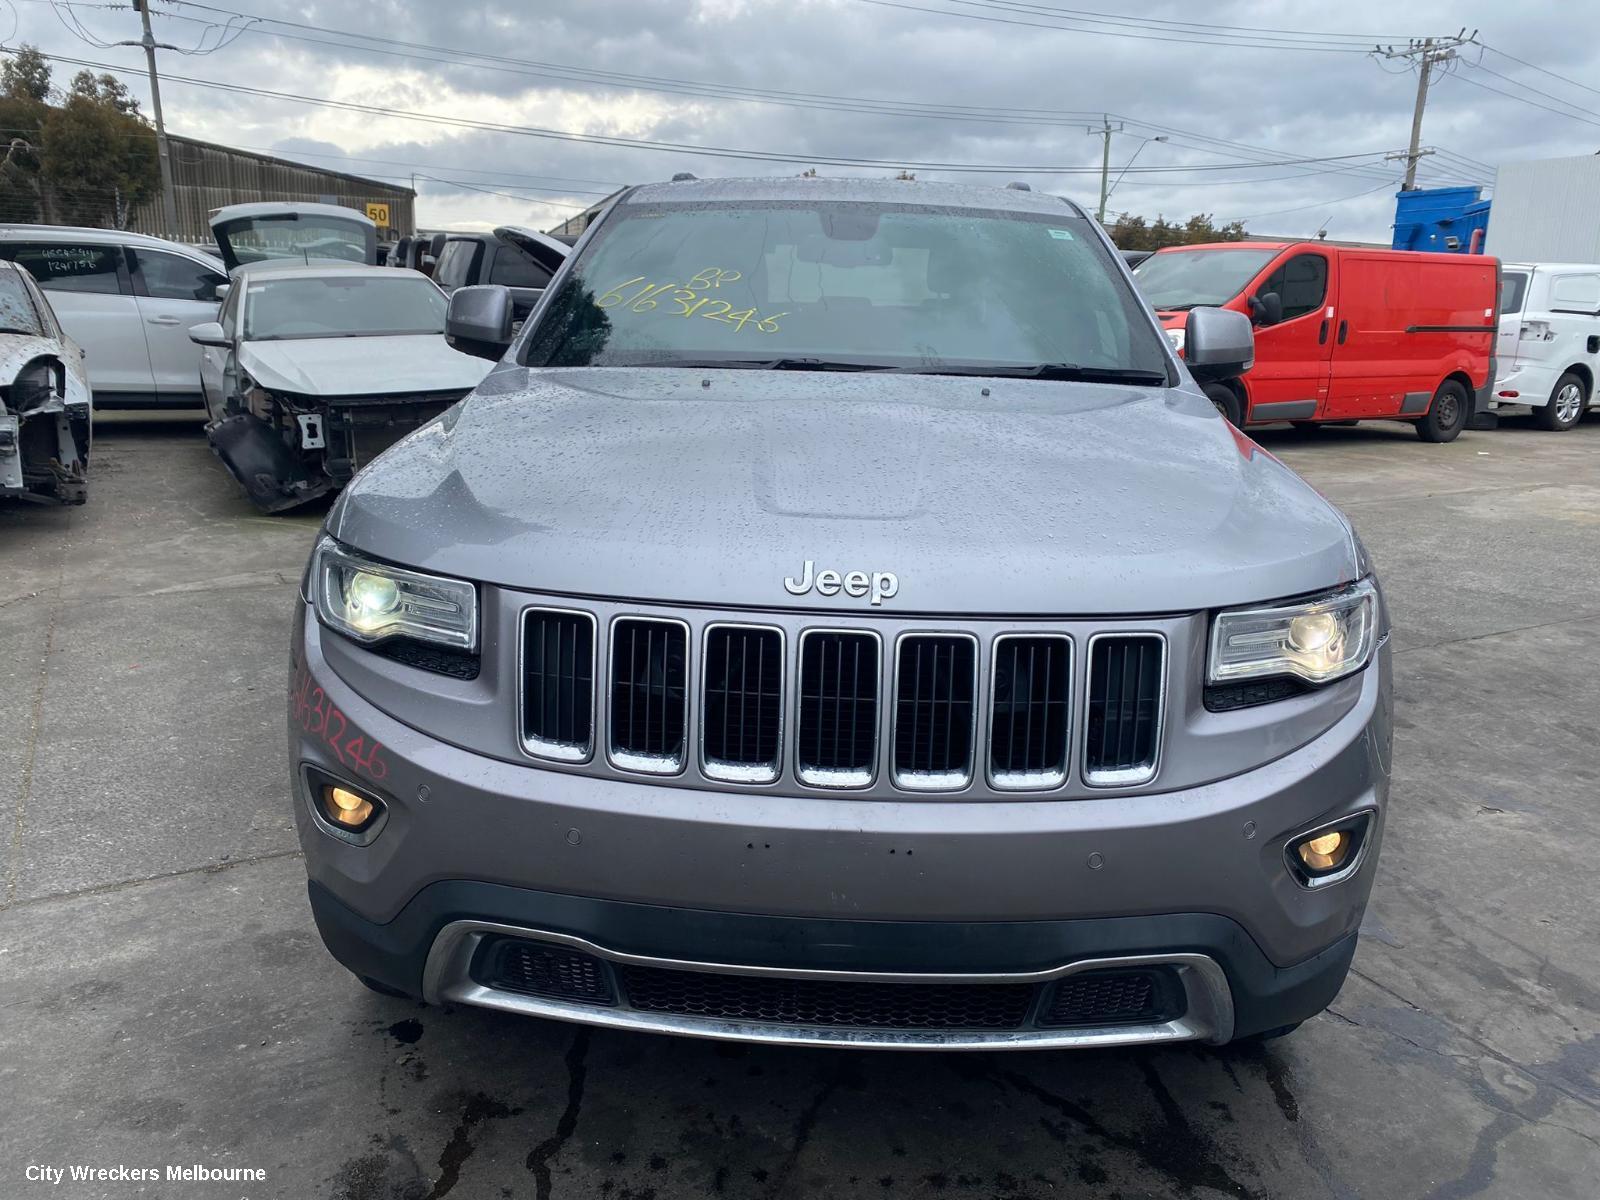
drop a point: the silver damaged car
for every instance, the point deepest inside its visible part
(840, 618)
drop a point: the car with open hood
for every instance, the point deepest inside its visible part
(841, 618)
(311, 371)
(46, 406)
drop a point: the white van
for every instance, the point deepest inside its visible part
(128, 300)
(1549, 341)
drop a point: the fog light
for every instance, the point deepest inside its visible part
(1325, 852)
(346, 808)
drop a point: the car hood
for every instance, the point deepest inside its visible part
(982, 495)
(370, 366)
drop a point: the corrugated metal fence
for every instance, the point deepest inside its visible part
(206, 176)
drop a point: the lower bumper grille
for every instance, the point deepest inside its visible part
(1129, 996)
(539, 969)
(827, 1002)
(1134, 997)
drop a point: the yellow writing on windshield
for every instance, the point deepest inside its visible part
(685, 300)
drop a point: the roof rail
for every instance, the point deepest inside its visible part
(1016, 185)
(683, 177)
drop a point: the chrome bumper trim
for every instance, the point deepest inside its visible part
(446, 979)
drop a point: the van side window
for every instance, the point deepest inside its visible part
(456, 263)
(1513, 287)
(1575, 294)
(70, 267)
(1301, 283)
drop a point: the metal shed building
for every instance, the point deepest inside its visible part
(206, 176)
(1546, 211)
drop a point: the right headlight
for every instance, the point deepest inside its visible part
(371, 601)
(1317, 640)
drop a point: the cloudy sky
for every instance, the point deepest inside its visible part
(1005, 84)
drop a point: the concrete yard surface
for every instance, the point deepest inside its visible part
(164, 997)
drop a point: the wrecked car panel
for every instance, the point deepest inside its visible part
(46, 408)
(296, 408)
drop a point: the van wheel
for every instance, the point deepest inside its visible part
(1568, 399)
(1446, 416)
(1226, 403)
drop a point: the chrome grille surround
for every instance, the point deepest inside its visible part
(1145, 771)
(909, 778)
(824, 776)
(735, 772)
(1046, 777)
(559, 751)
(631, 759)
(1182, 760)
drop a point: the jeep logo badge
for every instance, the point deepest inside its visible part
(880, 585)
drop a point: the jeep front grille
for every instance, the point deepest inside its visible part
(935, 702)
(649, 694)
(772, 702)
(836, 742)
(1122, 735)
(742, 712)
(1030, 697)
(558, 684)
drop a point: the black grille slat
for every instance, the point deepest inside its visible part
(649, 693)
(827, 1002)
(935, 698)
(558, 682)
(743, 705)
(1029, 725)
(1123, 708)
(1131, 996)
(837, 732)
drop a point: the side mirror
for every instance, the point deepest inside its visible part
(1218, 344)
(222, 290)
(478, 321)
(1266, 309)
(209, 334)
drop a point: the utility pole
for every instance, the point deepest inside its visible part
(169, 205)
(1428, 53)
(1104, 132)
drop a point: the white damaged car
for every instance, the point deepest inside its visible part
(311, 371)
(46, 407)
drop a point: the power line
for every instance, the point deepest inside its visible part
(1189, 38)
(735, 153)
(1304, 207)
(1542, 70)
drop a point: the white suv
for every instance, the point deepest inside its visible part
(1548, 346)
(128, 300)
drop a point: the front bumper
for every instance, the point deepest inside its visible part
(739, 882)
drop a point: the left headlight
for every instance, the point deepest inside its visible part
(1177, 337)
(371, 601)
(1317, 640)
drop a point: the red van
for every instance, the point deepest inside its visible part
(1342, 333)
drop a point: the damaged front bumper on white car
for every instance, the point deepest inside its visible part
(46, 416)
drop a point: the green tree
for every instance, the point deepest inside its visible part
(24, 102)
(89, 160)
(1135, 233)
(99, 161)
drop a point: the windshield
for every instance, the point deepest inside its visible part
(828, 285)
(341, 306)
(1513, 286)
(17, 314)
(1179, 279)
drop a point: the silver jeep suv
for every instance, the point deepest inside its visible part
(841, 619)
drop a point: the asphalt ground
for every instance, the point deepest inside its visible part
(164, 998)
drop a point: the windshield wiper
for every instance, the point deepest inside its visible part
(1072, 372)
(772, 364)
